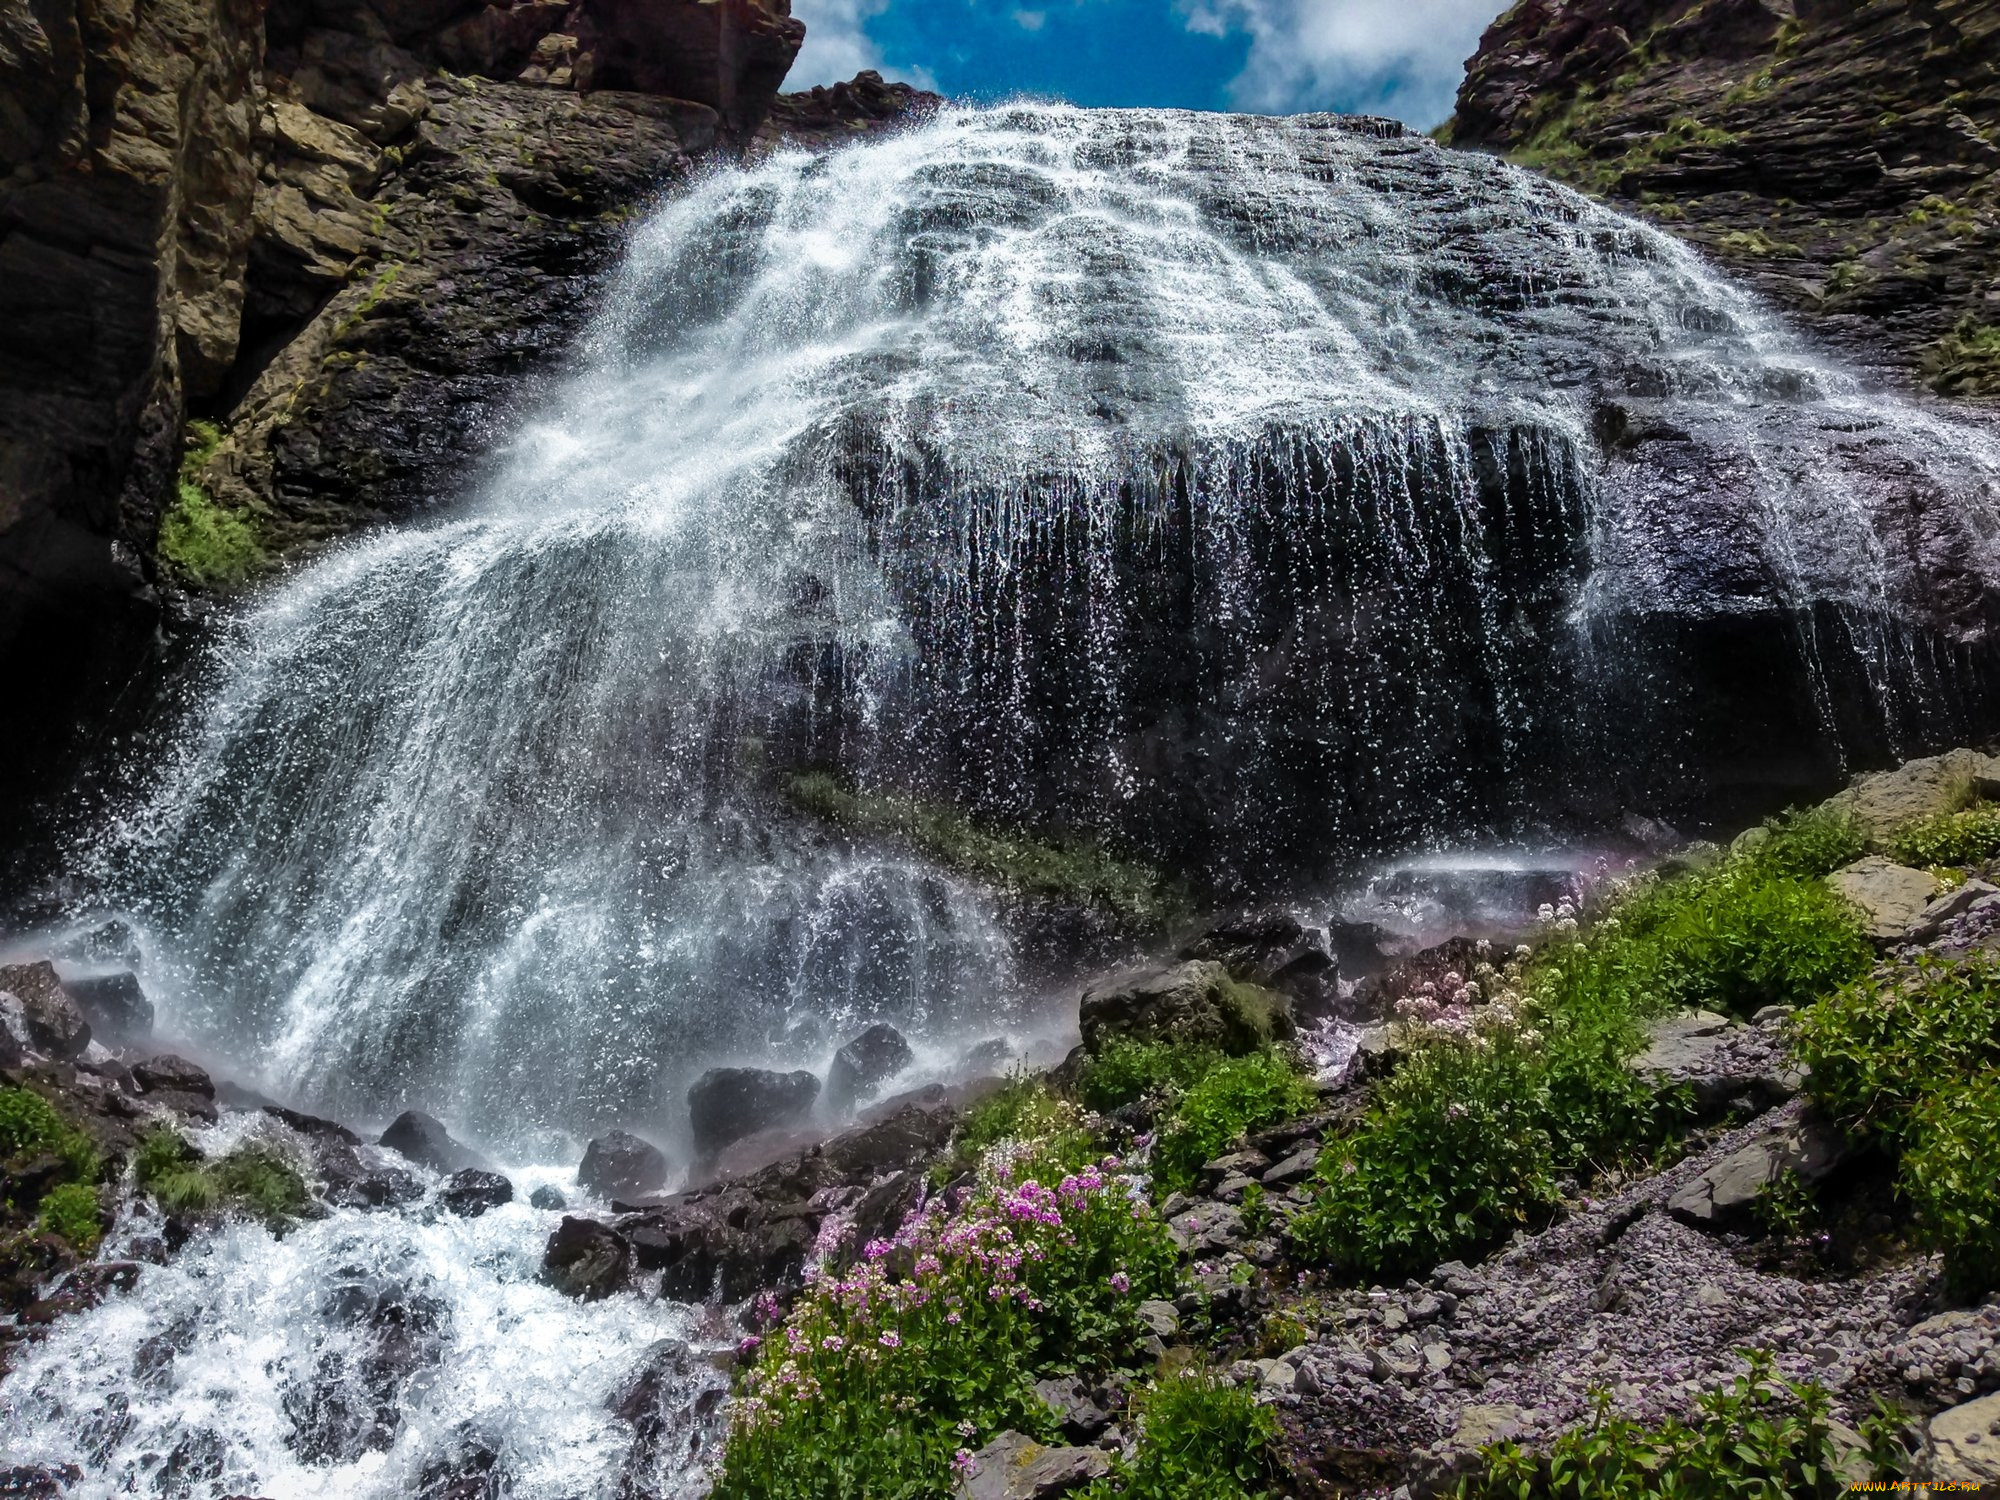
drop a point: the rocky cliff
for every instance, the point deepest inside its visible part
(1838, 153)
(267, 273)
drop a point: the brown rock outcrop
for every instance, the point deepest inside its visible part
(1838, 153)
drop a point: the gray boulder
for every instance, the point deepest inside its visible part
(587, 1260)
(425, 1141)
(1962, 1446)
(1891, 898)
(1016, 1467)
(1196, 1003)
(1885, 801)
(116, 1007)
(864, 1064)
(174, 1083)
(727, 1104)
(36, 1006)
(1724, 1194)
(472, 1192)
(620, 1165)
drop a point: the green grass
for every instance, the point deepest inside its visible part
(29, 1125)
(251, 1179)
(73, 1212)
(1128, 1070)
(1233, 1096)
(1950, 840)
(1763, 1437)
(1198, 1440)
(1078, 871)
(1966, 361)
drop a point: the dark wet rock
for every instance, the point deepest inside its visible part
(547, 1198)
(864, 1064)
(674, 1403)
(116, 1007)
(989, 1058)
(726, 1104)
(174, 1083)
(1270, 947)
(111, 942)
(833, 115)
(349, 1398)
(425, 1141)
(1016, 1467)
(469, 1470)
(35, 1482)
(748, 1233)
(34, 1004)
(586, 1259)
(471, 1192)
(620, 1165)
(1196, 1003)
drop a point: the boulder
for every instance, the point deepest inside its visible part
(1891, 898)
(548, 1198)
(1269, 947)
(1721, 1064)
(620, 1165)
(1196, 1003)
(1016, 1467)
(425, 1141)
(174, 1083)
(728, 54)
(1886, 801)
(1953, 903)
(47, 1019)
(727, 1104)
(116, 1007)
(471, 1192)
(1725, 1193)
(112, 942)
(1076, 1409)
(670, 1402)
(864, 1064)
(1962, 1446)
(587, 1260)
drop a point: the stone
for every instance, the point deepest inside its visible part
(621, 1166)
(1725, 1193)
(1481, 1425)
(1885, 801)
(1298, 1167)
(1962, 1445)
(587, 1260)
(42, 1010)
(1196, 1003)
(471, 1192)
(1890, 897)
(425, 1141)
(730, 55)
(727, 1104)
(1271, 948)
(548, 1198)
(112, 942)
(115, 1006)
(1077, 1411)
(1942, 909)
(864, 1064)
(1160, 1318)
(1016, 1467)
(168, 1074)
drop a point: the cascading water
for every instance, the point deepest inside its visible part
(1254, 492)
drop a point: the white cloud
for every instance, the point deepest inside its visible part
(1031, 20)
(1394, 57)
(838, 45)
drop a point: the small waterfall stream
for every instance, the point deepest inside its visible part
(1258, 494)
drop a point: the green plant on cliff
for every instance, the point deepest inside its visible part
(1233, 1096)
(73, 1212)
(251, 1179)
(1966, 362)
(209, 545)
(30, 1126)
(1076, 870)
(1199, 1439)
(1950, 839)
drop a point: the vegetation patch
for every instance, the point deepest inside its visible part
(210, 545)
(1911, 1066)
(1515, 1079)
(1966, 361)
(1235, 1095)
(30, 1126)
(1199, 1440)
(251, 1180)
(73, 1212)
(1077, 871)
(1762, 1438)
(1969, 837)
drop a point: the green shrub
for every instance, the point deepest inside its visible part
(1807, 844)
(1198, 1440)
(1747, 938)
(29, 1124)
(1127, 1071)
(1762, 1438)
(878, 1386)
(74, 1213)
(1950, 839)
(1951, 1175)
(263, 1184)
(1235, 1095)
(1875, 1051)
(1024, 1109)
(210, 544)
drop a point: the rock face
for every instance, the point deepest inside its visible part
(1893, 899)
(1195, 1003)
(425, 1141)
(1725, 1193)
(1885, 801)
(879, 1053)
(1016, 1467)
(1963, 1445)
(35, 1006)
(116, 1007)
(305, 224)
(619, 1165)
(1837, 152)
(587, 1260)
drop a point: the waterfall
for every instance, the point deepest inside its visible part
(1254, 493)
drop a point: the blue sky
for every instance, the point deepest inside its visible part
(1397, 57)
